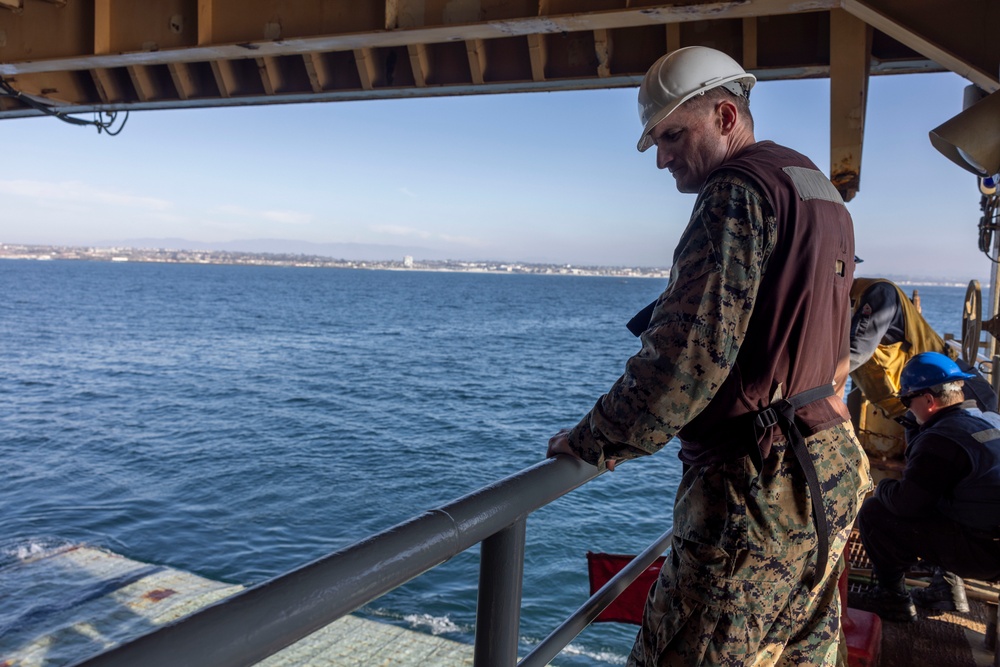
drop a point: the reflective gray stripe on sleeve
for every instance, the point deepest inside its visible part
(987, 435)
(812, 184)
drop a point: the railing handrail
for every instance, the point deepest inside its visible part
(262, 620)
(552, 645)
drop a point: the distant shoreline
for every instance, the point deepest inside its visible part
(302, 260)
(226, 257)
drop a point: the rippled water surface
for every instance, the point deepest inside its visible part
(237, 422)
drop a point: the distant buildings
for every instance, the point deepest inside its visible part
(174, 256)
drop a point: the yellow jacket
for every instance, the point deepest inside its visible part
(879, 376)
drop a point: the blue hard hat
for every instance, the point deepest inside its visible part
(929, 369)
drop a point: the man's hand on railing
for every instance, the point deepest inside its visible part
(559, 444)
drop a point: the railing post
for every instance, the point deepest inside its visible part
(498, 612)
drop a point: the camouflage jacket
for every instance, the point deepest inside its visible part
(696, 329)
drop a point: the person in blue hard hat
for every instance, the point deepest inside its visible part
(945, 510)
(887, 330)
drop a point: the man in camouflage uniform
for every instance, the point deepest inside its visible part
(741, 359)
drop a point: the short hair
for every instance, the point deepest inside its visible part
(713, 95)
(949, 393)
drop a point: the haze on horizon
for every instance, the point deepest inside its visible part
(530, 177)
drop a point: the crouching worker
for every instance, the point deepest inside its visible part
(946, 508)
(887, 330)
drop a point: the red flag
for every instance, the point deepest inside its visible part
(629, 605)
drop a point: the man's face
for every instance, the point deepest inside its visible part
(921, 406)
(690, 143)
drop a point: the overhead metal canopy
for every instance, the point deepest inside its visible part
(104, 55)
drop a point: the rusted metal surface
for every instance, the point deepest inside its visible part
(80, 600)
(159, 594)
(846, 180)
(64, 623)
(109, 55)
(850, 66)
(168, 51)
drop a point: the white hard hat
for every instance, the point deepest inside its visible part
(679, 76)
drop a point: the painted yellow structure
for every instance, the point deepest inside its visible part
(103, 55)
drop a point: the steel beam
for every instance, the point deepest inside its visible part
(943, 54)
(212, 46)
(850, 62)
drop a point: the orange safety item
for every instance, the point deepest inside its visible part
(627, 608)
(862, 630)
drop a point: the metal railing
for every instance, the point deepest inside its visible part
(260, 621)
(550, 647)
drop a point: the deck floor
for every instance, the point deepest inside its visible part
(64, 606)
(937, 639)
(357, 641)
(84, 600)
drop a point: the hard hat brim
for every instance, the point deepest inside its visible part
(928, 370)
(646, 141)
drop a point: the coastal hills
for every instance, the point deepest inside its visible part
(404, 263)
(159, 253)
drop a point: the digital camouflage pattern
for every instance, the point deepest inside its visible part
(735, 589)
(696, 328)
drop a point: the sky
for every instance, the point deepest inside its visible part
(530, 177)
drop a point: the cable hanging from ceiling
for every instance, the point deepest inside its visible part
(104, 121)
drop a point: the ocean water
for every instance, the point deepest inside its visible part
(237, 422)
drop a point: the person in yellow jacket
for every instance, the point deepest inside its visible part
(887, 330)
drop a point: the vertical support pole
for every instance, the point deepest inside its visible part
(850, 62)
(995, 374)
(994, 347)
(990, 638)
(498, 612)
(996, 644)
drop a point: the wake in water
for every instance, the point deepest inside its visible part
(14, 552)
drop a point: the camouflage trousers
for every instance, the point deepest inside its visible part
(736, 586)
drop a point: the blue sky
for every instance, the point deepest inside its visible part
(540, 177)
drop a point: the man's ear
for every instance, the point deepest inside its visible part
(727, 116)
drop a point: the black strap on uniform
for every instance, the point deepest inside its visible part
(640, 321)
(781, 413)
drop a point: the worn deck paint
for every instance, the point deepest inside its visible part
(357, 641)
(66, 605)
